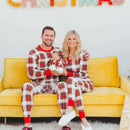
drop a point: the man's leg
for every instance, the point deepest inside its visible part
(28, 90)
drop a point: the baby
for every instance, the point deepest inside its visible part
(57, 63)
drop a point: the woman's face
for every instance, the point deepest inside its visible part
(72, 41)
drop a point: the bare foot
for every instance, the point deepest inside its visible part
(85, 122)
(69, 110)
(27, 125)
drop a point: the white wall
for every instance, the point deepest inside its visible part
(104, 30)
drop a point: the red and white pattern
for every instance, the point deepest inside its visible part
(41, 80)
(78, 82)
(58, 63)
(37, 64)
(30, 89)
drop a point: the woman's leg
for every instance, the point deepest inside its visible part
(69, 107)
(71, 94)
(75, 89)
(82, 87)
(62, 96)
(75, 97)
(79, 105)
(69, 114)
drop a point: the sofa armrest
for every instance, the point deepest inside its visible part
(125, 84)
(1, 85)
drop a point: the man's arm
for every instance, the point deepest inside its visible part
(32, 68)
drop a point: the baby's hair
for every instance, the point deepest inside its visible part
(58, 53)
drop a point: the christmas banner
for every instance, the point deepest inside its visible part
(62, 3)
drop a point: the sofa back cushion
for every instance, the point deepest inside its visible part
(104, 71)
(15, 72)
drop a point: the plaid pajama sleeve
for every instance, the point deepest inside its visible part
(32, 68)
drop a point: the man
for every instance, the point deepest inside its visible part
(42, 79)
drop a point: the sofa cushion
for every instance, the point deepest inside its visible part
(101, 95)
(15, 72)
(104, 71)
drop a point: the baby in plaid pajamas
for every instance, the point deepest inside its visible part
(57, 63)
(78, 81)
(42, 79)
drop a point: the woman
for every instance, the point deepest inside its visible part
(78, 81)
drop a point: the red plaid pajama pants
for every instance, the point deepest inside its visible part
(76, 87)
(33, 88)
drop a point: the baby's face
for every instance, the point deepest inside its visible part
(55, 56)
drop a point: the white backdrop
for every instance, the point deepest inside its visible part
(104, 30)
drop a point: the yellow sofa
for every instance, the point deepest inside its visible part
(105, 101)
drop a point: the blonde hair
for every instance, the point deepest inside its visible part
(65, 47)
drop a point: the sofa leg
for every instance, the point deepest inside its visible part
(5, 121)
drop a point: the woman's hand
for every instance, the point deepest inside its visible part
(55, 73)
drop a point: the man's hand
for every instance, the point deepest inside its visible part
(87, 54)
(88, 57)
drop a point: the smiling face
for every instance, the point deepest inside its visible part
(48, 37)
(72, 41)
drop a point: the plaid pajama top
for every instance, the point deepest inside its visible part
(78, 69)
(58, 63)
(38, 67)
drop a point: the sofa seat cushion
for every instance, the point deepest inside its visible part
(101, 95)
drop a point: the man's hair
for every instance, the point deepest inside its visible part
(48, 28)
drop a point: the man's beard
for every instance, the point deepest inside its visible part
(47, 44)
